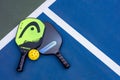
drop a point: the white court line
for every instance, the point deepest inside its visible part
(82, 40)
(35, 13)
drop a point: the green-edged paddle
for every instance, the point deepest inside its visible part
(29, 35)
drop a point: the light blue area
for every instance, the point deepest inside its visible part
(48, 47)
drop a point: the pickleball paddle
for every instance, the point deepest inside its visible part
(29, 35)
(51, 44)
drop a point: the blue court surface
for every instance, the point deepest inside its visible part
(90, 30)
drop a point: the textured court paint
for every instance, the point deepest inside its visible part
(13, 11)
(87, 69)
(82, 40)
(78, 56)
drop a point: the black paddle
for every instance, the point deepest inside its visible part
(51, 44)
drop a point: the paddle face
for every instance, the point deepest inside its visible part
(29, 35)
(51, 44)
(51, 41)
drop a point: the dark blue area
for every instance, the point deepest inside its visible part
(98, 21)
(84, 65)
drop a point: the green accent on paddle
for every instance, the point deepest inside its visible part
(29, 30)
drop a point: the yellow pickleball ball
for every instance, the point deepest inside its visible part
(33, 54)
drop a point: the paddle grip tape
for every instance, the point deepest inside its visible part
(63, 61)
(21, 62)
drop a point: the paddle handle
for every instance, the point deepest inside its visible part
(21, 62)
(63, 61)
